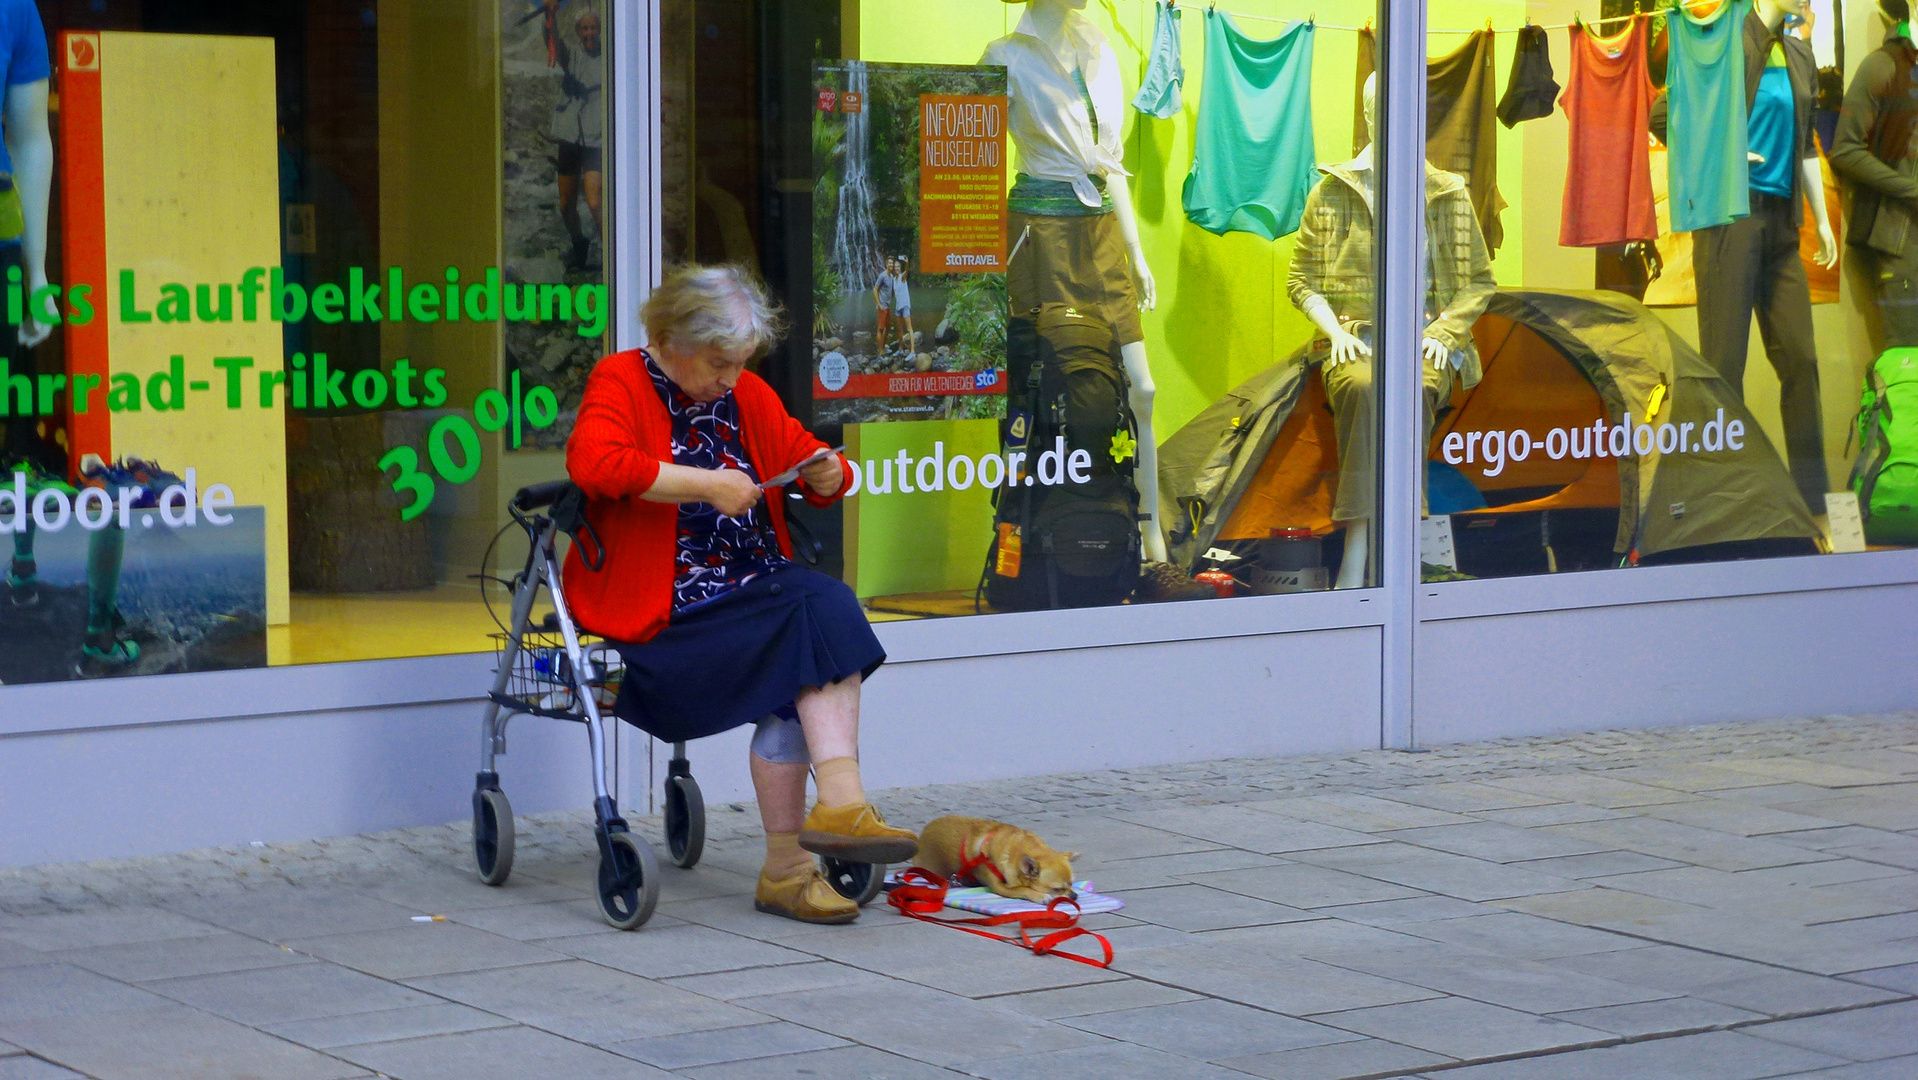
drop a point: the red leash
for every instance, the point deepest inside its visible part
(920, 893)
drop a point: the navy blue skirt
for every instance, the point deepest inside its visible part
(746, 654)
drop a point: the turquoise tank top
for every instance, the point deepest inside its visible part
(1708, 178)
(1253, 159)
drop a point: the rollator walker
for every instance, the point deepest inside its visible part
(559, 671)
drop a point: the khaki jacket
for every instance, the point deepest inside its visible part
(1334, 258)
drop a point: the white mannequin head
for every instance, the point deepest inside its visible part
(1370, 101)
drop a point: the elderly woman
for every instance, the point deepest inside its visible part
(671, 447)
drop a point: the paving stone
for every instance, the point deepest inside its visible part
(442, 891)
(734, 915)
(1207, 1030)
(7, 1049)
(586, 1002)
(1106, 838)
(1301, 885)
(1728, 981)
(30, 1068)
(1438, 872)
(1775, 794)
(1111, 1061)
(1248, 829)
(289, 914)
(1463, 1029)
(1593, 789)
(1125, 875)
(1531, 817)
(663, 952)
(1885, 1031)
(1495, 842)
(1360, 1059)
(56, 990)
(1877, 812)
(1691, 776)
(1835, 871)
(1516, 984)
(1903, 977)
(146, 961)
(1525, 936)
(850, 1062)
(1317, 937)
(1364, 813)
(1901, 852)
(1090, 1000)
(110, 926)
(732, 985)
(480, 1053)
(1722, 891)
(1826, 950)
(1716, 1055)
(920, 1023)
(1688, 844)
(1795, 770)
(726, 1044)
(1416, 909)
(171, 1042)
(554, 919)
(1463, 797)
(421, 949)
(1736, 817)
(1661, 1017)
(1282, 984)
(301, 992)
(1610, 908)
(1903, 1068)
(14, 955)
(388, 1025)
(1199, 907)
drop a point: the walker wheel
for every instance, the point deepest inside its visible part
(628, 880)
(493, 835)
(856, 881)
(685, 821)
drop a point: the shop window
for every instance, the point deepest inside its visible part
(1695, 224)
(1049, 284)
(324, 283)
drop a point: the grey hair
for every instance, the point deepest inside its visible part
(721, 307)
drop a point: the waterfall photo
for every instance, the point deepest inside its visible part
(909, 286)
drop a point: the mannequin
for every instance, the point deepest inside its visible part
(1053, 129)
(1332, 283)
(1752, 265)
(1875, 130)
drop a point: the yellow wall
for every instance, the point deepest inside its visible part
(922, 541)
(192, 196)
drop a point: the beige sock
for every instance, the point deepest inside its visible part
(838, 780)
(784, 857)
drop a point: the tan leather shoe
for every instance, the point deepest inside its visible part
(807, 898)
(856, 833)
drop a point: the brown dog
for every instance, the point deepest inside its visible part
(1006, 859)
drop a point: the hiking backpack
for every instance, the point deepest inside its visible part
(1069, 544)
(1886, 474)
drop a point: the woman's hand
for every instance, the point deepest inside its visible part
(731, 492)
(824, 476)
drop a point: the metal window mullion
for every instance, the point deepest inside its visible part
(1399, 325)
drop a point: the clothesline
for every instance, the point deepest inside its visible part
(1430, 31)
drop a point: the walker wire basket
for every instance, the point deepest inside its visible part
(541, 681)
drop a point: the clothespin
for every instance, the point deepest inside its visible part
(1488, 24)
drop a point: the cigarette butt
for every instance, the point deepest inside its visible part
(429, 918)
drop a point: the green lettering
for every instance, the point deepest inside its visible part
(269, 381)
(124, 394)
(166, 390)
(548, 295)
(233, 365)
(203, 303)
(423, 303)
(82, 309)
(369, 389)
(328, 386)
(327, 299)
(435, 388)
(403, 383)
(16, 392)
(84, 384)
(486, 309)
(49, 386)
(366, 298)
(175, 304)
(45, 305)
(129, 303)
(590, 303)
(286, 300)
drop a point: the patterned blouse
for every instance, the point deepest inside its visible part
(714, 553)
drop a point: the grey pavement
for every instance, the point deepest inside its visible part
(1727, 902)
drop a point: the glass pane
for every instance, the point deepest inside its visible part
(1042, 264)
(1701, 271)
(327, 278)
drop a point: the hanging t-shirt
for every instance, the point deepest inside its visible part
(1773, 124)
(1608, 175)
(1159, 92)
(1705, 83)
(1253, 158)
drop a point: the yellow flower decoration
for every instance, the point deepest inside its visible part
(1123, 445)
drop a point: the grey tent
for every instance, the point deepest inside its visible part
(1552, 359)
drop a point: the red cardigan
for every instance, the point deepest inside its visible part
(622, 435)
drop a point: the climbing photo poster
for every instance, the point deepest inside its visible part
(909, 242)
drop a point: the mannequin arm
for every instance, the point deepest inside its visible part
(1815, 191)
(30, 144)
(1129, 228)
